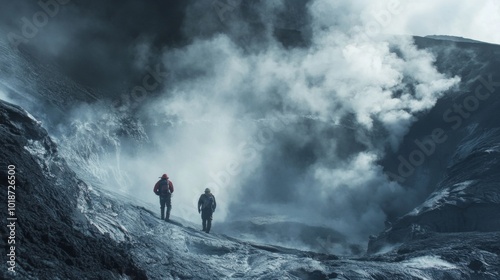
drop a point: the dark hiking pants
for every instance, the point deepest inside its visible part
(206, 217)
(165, 200)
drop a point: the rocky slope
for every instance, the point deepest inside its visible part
(467, 199)
(48, 245)
(462, 172)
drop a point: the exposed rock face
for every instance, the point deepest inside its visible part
(47, 244)
(467, 200)
(463, 173)
(468, 196)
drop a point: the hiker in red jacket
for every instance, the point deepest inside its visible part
(164, 189)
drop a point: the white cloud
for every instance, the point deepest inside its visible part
(4, 96)
(474, 19)
(342, 74)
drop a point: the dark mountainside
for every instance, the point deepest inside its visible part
(48, 243)
(463, 170)
(476, 64)
(71, 231)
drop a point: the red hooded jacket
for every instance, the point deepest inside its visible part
(156, 189)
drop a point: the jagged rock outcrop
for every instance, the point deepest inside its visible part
(467, 200)
(462, 172)
(47, 244)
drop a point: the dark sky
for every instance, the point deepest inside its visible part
(95, 42)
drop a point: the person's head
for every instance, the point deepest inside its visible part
(164, 176)
(207, 190)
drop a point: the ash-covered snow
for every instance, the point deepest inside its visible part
(428, 262)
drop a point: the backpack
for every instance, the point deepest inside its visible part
(208, 202)
(163, 188)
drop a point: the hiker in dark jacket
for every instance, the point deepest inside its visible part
(206, 205)
(164, 189)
